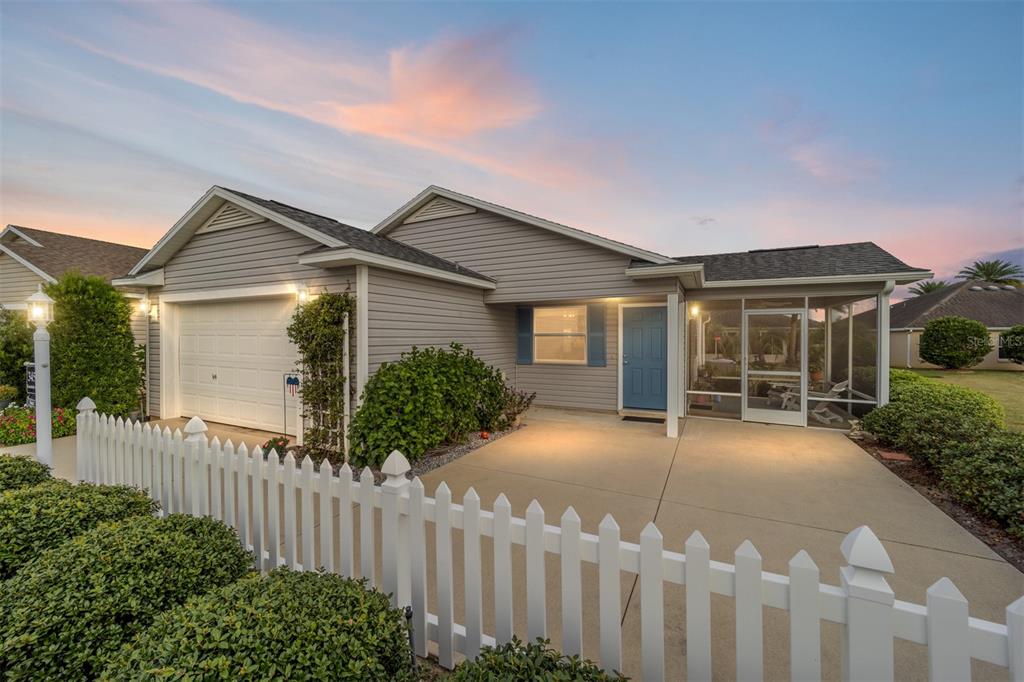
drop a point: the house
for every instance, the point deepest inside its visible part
(792, 336)
(30, 257)
(997, 306)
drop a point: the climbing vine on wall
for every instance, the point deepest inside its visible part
(318, 331)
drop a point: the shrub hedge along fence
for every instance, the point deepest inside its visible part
(519, 662)
(430, 397)
(302, 626)
(961, 434)
(33, 520)
(21, 472)
(71, 610)
(955, 342)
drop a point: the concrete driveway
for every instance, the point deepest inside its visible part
(783, 488)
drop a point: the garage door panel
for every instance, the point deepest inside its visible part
(245, 345)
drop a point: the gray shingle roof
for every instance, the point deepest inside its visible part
(861, 258)
(61, 253)
(994, 308)
(361, 239)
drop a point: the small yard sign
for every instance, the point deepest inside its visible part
(30, 384)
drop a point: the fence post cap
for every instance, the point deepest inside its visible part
(195, 427)
(944, 588)
(396, 465)
(862, 549)
(86, 405)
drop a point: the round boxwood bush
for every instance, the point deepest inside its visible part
(518, 662)
(1012, 342)
(955, 342)
(924, 418)
(287, 625)
(987, 473)
(35, 519)
(21, 472)
(68, 612)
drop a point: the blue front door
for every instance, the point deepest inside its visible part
(644, 358)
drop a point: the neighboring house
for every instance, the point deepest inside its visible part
(585, 321)
(997, 306)
(30, 257)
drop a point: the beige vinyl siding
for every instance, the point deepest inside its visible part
(17, 282)
(248, 256)
(529, 263)
(407, 310)
(579, 386)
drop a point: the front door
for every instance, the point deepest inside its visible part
(774, 380)
(644, 357)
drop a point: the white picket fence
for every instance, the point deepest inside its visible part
(186, 473)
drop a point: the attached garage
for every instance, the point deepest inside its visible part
(232, 359)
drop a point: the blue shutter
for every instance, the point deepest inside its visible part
(596, 355)
(524, 335)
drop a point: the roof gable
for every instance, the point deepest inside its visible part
(432, 193)
(51, 254)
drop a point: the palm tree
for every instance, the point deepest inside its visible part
(994, 271)
(928, 287)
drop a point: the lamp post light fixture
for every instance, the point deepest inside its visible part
(40, 313)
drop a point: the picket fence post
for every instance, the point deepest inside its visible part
(395, 529)
(84, 447)
(867, 640)
(195, 435)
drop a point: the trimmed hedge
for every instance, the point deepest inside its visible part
(518, 662)
(955, 342)
(287, 625)
(925, 417)
(21, 472)
(430, 397)
(987, 474)
(33, 520)
(69, 612)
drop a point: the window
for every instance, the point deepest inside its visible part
(560, 335)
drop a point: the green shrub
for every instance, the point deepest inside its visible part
(93, 350)
(287, 625)
(33, 520)
(15, 349)
(987, 473)
(7, 393)
(955, 342)
(18, 424)
(21, 472)
(1012, 342)
(73, 608)
(429, 397)
(901, 377)
(518, 662)
(926, 417)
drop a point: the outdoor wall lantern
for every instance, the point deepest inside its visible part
(145, 306)
(40, 313)
(694, 310)
(302, 293)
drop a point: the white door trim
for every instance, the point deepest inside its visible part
(618, 400)
(229, 293)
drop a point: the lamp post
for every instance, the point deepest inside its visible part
(40, 313)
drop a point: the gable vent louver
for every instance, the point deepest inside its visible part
(439, 208)
(228, 217)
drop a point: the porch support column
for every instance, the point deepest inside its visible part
(672, 418)
(883, 343)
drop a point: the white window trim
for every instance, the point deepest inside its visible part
(586, 341)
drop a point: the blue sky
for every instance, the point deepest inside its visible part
(683, 128)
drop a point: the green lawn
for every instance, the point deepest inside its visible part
(1006, 387)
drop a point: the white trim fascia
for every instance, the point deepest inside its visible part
(896, 277)
(15, 230)
(668, 270)
(230, 293)
(362, 330)
(27, 264)
(430, 192)
(153, 278)
(221, 193)
(352, 256)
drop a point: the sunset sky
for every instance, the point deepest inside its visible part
(682, 128)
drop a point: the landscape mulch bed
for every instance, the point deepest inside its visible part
(925, 481)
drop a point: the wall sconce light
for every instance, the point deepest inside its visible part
(302, 293)
(694, 310)
(144, 306)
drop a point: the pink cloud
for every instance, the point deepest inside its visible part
(830, 163)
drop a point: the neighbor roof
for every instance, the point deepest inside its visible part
(53, 253)
(360, 239)
(992, 305)
(833, 260)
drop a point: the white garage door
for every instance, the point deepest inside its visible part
(233, 356)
